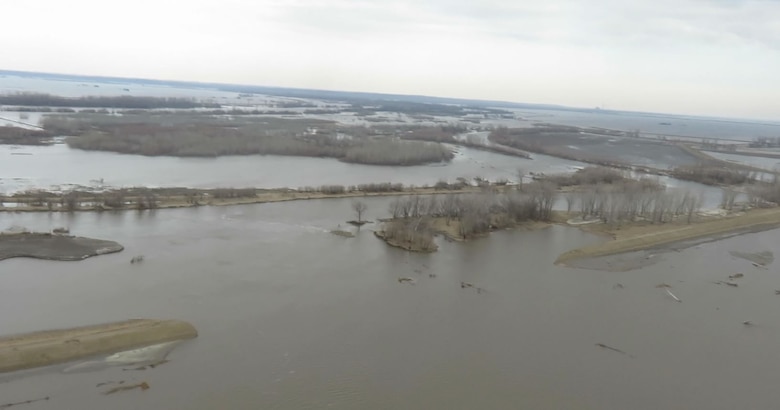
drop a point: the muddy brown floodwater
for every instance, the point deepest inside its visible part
(292, 316)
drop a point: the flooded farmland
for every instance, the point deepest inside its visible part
(291, 316)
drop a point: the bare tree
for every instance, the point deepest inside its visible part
(359, 207)
(520, 175)
(569, 202)
(729, 196)
(70, 201)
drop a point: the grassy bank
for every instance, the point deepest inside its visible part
(645, 236)
(50, 347)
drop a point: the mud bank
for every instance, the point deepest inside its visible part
(405, 245)
(50, 347)
(54, 247)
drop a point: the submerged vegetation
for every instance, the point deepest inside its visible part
(175, 135)
(23, 136)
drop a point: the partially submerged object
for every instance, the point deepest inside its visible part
(19, 403)
(122, 387)
(141, 358)
(614, 349)
(46, 348)
(758, 259)
(669, 292)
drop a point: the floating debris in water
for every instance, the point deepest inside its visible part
(618, 286)
(150, 365)
(137, 259)
(663, 285)
(737, 276)
(732, 284)
(142, 386)
(7, 405)
(407, 280)
(614, 349)
(758, 259)
(672, 295)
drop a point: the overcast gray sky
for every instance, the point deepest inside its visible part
(708, 57)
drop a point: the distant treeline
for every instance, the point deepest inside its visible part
(595, 176)
(420, 108)
(136, 111)
(271, 136)
(433, 134)
(23, 136)
(714, 175)
(124, 101)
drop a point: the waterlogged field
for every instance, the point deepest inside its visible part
(28, 167)
(291, 316)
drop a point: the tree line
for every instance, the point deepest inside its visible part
(715, 175)
(23, 136)
(477, 213)
(123, 101)
(212, 140)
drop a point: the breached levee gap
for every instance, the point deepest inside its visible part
(754, 220)
(45, 348)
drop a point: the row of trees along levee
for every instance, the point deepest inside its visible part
(136, 198)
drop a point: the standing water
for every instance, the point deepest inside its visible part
(291, 316)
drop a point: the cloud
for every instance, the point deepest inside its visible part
(604, 22)
(639, 54)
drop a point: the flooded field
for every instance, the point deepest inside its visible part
(655, 124)
(769, 164)
(291, 316)
(26, 167)
(613, 149)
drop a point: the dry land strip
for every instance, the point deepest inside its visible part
(646, 236)
(50, 347)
